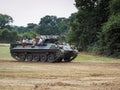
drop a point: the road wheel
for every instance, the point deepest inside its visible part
(51, 58)
(43, 57)
(29, 57)
(67, 59)
(21, 57)
(14, 55)
(36, 57)
(59, 60)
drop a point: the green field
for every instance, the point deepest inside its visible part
(90, 57)
(5, 54)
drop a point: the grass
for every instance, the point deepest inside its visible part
(5, 54)
(87, 56)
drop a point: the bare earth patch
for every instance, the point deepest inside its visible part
(82, 75)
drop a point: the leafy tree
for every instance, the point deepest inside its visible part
(110, 35)
(51, 25)
(62, 25)
(7, 36)
(29, 34)
(102, 11)
(19, 29)
(5, 20)
(114, 7)
(86, 4)
(31, 26)
(73, 33)
(89, 20)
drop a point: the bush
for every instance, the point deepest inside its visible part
(7, 36)
(110, 36)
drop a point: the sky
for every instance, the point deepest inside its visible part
(31, 11)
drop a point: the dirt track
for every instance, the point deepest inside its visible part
(89, 75)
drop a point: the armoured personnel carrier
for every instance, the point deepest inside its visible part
(48, 51)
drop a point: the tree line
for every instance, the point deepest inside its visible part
(48, 25)
(94, 28)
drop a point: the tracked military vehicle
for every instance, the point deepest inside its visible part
(48, 51)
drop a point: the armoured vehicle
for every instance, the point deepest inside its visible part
(48, 51)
